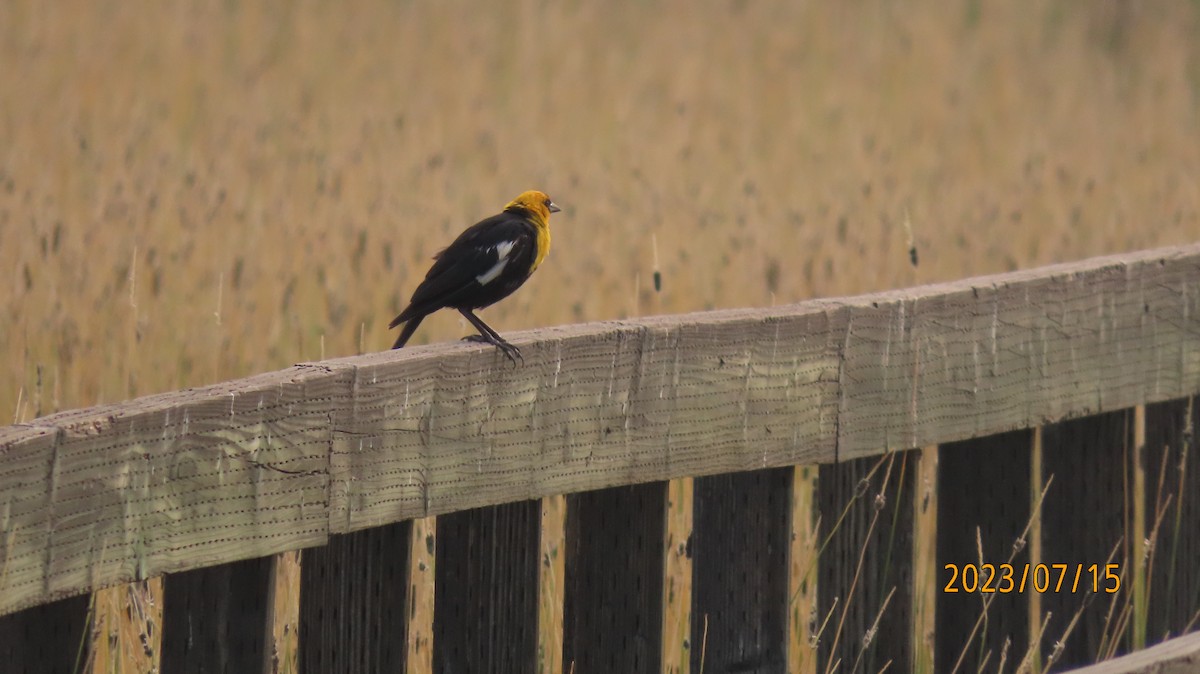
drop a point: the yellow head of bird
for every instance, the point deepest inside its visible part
(534, 202)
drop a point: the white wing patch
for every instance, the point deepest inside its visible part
(502, 251)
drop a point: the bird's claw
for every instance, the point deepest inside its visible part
(511, 352)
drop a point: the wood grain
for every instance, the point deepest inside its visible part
(987, 355)
(592, 407)
(280, 461)
(613, 603)
(167, 483)
(354, 602)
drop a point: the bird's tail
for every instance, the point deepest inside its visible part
(409, 328)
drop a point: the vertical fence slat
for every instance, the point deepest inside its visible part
(552, 584)
(485, 607)
(1037, 488)
(422, 565)
(215, 618)
(803, 564)
(926, 570)
(283, 612)
(1083, 519)
(46, 639)
(983, 485)
(740, 545)
(852, 494)
(612, 617)
(1173, 486)
(354, 602)
(1136, 517)
(677, 578)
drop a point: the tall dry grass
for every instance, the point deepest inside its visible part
(191, 192)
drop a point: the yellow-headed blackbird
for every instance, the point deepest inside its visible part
(485, 264)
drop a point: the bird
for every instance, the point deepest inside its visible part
(485, 264)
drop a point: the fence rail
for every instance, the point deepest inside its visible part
(308, 456)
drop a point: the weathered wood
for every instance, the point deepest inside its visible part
(1084, 517)
(1180, 655)
(47, 639)
(26, 501)
(591, 407)
(1137, 516)
(422, 565)
(983, 490)
(1038, 483)
(865, 582)
(802, 576)
(926, 570)
(1171, 456)
(215, 619)
(976, 357)
(677, 578)
(279, 461)
(703, 394)
(485, 607)
(354, 602)
(552, 584)
(612, 613)
(740, 547)
(165, 483)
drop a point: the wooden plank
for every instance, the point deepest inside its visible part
(26, 465)
(1039, 484)
(485, 608)
(447, 428)
(1173, 488)
(168, 483)
(612, 614)
(354, 602)
(422, 567)
(740, 547)
(47, 639)
(1084, 519)
(1180, 655)
(864, 587)
(966, 359)
(595, 406)
(215, 618)
(984, 499)
(283, 615)
(552, 585)
(243, 469)
(1136, 518)
(926, 569)
(677, 578)
(803, 561)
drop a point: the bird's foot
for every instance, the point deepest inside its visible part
(511, 352)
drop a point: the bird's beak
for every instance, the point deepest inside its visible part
(554, 207)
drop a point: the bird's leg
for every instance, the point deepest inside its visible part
(490, 336)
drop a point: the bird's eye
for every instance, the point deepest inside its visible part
(546, 203)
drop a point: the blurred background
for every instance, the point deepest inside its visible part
(192, 192)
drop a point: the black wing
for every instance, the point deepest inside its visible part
(484, 264)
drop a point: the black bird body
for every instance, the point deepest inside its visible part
(485, 264)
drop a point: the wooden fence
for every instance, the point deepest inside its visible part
(1036, 418)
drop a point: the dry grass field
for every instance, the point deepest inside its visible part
(198, 191)
(192, 192)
